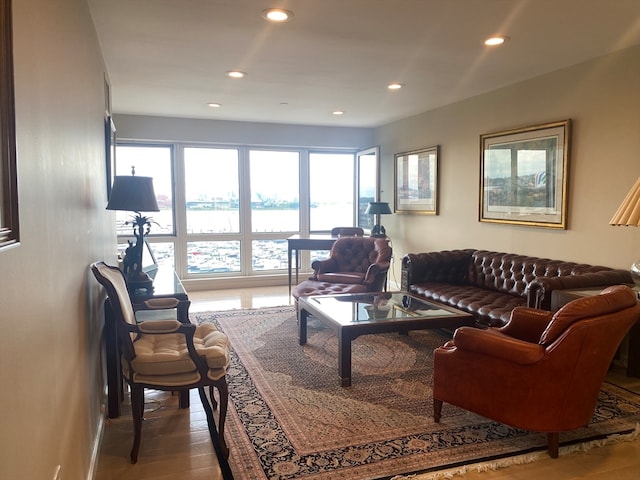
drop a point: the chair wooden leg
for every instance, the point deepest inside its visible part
(553, 442)
(437, 410)
(220, 448)
(223, 392)
(137, 410)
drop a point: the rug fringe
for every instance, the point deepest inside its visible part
(521, 459)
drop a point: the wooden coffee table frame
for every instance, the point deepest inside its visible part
(349, 331)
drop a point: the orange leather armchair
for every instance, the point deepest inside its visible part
(355, 260)
(541, 371)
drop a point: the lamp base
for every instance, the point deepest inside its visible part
(139, 281)
(378, 231)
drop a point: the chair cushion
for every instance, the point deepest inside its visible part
(167, 355)
(312, 287)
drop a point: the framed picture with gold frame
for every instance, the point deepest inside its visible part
(524, 174)
(416, 181)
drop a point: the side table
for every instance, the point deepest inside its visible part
(167, 293)
(561, 297)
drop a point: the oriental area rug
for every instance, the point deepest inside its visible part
(289, 418)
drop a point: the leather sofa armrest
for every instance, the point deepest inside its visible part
(493, 343)
(444, 266)
(527, 324)
(541, 288)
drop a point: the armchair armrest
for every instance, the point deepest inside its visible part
(493, 343)
(161, 303)
(527, 324)
(324, 266)
(160, 326)
(374, 271)
(540, 289)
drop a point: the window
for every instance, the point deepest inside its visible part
(275, 191)
(212, 190)
(331, 189)
(154, 162)
(231, 208)
(368, 185)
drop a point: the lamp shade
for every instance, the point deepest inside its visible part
(134, 194)
(628, 212)
(377, 208)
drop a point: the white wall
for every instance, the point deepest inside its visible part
(50, 367)
(602, 97)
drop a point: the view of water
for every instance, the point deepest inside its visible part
(219, 255)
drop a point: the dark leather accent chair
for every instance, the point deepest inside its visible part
(355, 260)
(541, 371)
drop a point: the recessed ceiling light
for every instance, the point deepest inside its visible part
(496, 40)
(214, 105)
(236, 74)
(277, 15)
(395, 86)
(338, 112)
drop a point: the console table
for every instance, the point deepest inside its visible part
(306, 242)
(562, 297)
(167, 293)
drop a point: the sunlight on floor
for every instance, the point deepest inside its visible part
(232, 299)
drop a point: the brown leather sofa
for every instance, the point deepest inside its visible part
(490, 285)
(540, 372)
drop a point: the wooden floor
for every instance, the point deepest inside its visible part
(176, 444)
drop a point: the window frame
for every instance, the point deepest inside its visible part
(9, 217)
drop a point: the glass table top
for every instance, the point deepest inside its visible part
(377, 307)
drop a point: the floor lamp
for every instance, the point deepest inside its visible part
(628, 214)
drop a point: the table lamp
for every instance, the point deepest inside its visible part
(377, 209)
(135, 194)
(628, 213)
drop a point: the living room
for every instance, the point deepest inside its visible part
(53, 415)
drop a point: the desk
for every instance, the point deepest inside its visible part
(306, 242)
(166, 286)
(562, 297)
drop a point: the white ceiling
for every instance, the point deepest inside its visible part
(169, 57)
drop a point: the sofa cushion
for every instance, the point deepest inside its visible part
(490, 307)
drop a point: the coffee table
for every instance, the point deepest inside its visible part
(352, 315)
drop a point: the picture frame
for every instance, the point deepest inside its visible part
(416, 181)
(524, 175)
(110, 152)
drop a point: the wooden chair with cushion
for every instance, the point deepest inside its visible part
(168, 355)
(541, 371)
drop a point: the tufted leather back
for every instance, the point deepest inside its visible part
(610, 301)
(511, 273)
(357, 254)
